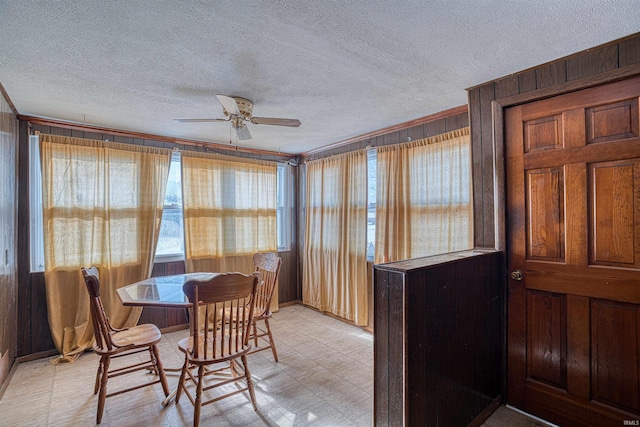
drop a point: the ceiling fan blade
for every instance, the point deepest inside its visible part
(199, 120)
(229, 104)
(294, 123)
(243, 132)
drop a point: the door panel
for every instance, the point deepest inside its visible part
(545, 202)
(615, 357)
(613, 212)
(573, 229)
(547, 338)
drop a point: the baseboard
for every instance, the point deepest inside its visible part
(174, 328)
(486, 413)
(284, 304)
(36, 356)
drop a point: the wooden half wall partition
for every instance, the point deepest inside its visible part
(439, 339)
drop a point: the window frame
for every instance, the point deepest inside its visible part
(283, 207)
(36, 226)
(284, 194)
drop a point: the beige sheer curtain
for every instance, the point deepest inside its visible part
(335, 241)
(229, 211)
(102, 206)
(423, 202)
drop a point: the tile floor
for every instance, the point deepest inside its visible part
(324, 378)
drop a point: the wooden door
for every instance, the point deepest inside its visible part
(573, 227)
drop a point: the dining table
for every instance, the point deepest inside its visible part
(162, 291)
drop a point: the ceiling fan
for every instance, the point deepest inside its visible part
(238, 110)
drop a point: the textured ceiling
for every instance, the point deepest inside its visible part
(343, 68)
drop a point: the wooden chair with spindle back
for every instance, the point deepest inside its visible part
(220, 334)
(112, 343)
(269, 265)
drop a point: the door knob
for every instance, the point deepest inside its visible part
(516, 275)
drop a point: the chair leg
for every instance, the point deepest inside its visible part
(255, 334)
(247, 376)
(272, 343)
(183, 374)
(160, 369)
(198, 403)
(104, 361)
(98, 376)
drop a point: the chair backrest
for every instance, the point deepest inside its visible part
(228, 302)
(269, 265)
(101, 325)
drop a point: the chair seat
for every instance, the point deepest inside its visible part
(128, 344)
(186, 346)
(269, 265)
(136, 336)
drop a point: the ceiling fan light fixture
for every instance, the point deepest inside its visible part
(236, 110)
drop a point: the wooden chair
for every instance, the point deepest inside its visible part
(218, 336)
(112, 343)
(269, 265)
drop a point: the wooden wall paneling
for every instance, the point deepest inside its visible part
(34, 332)
(381, 348)
(481, 328)
(287, 281)
(77, 133)
(24, 280)
(629, 52)
(435, 128)
(456, 122)
(592, 62)
(487, 95)
(463, 338)
(500, 179)
(396, 352)
(415, 132)
(390, 138)
(506, 86)
(551, 74)
(452, 319)
(403, 135)
(40, 333)
(9, 151)
(421, 316)
(95, 135)
(527, 81)
(475, 116)
(60, 131)
(122, 139)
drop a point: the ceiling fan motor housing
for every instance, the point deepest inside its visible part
(244, 105)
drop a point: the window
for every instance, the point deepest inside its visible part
(171, 240)
(283, 206)
(371, 202)
(35, 205)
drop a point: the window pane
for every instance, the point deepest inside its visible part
(173, 194)
(371, 202)
(283, 201)
(35, 205)
(171, 241)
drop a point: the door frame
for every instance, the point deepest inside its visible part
(499, 166)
